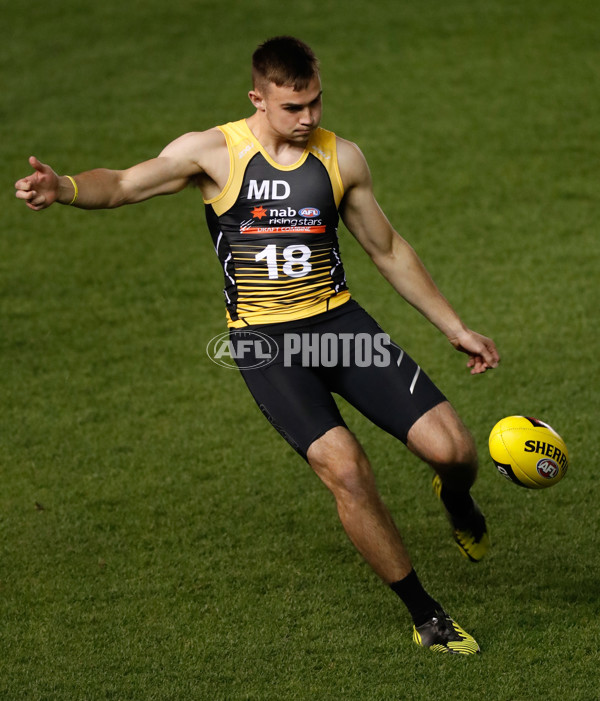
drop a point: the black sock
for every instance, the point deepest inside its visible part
(418, 602)
(457, 503)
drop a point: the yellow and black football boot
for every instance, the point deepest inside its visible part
(469, 531)
(442, 634)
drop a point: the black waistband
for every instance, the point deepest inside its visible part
(309, 321)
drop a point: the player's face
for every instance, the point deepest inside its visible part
(293, 115)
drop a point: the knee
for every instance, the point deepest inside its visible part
(342, 465)
(453, 455)
(442, 440)
(456, 463)
(458, 451)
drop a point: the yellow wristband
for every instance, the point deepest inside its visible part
(75, 190)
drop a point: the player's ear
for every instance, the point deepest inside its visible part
(257, 99)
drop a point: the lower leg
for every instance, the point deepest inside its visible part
(343, 467)
(374, 534)
(339, 461)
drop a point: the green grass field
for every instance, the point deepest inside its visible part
(158, 540)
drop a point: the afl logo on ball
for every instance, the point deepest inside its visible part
(547, 468)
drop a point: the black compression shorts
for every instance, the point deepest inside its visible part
(292, 369)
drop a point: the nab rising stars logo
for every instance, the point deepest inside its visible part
(280, 220)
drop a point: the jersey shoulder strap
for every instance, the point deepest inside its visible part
(241, 147)
(323, 145)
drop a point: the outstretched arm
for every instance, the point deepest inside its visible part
(398, 262)
(103, 188)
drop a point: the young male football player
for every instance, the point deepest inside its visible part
(274, 186)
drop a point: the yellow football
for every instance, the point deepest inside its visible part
(528, 452)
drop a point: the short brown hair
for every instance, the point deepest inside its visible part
(284, 60)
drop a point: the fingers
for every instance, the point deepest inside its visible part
(479, 365)
(25, 190)
(490, 354)
(26, 184)
(38, 165)
(37, 203)
(483, 356)
(32, 199)
(32, 188)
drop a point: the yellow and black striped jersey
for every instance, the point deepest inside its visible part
(274, 229)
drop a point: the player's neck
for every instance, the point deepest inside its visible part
(282, 150)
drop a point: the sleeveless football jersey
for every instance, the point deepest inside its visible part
(274, 228)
